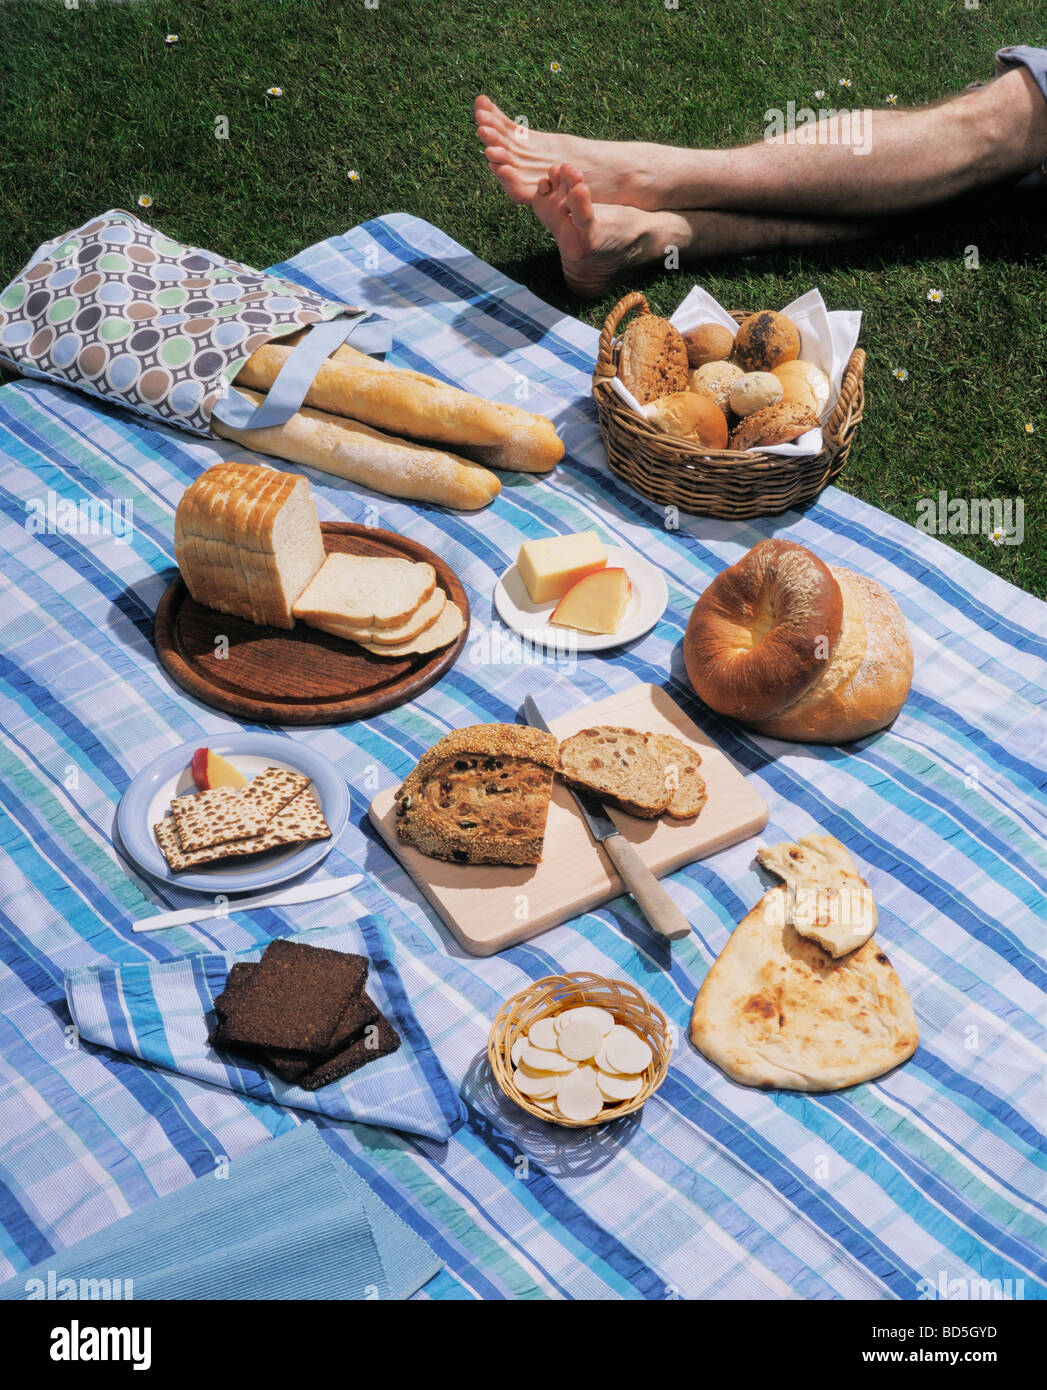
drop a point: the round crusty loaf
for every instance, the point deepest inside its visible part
(653, 359)
(709, 342)
(796, 650)
(867, 679)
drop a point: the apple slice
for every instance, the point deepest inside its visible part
(596, 603)
(211, 770)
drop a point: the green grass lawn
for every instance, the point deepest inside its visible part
(97, 110)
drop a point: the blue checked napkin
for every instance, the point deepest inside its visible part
(288, 1220)
(162, 1012)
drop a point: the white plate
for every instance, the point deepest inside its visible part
(148, 799)
(531, 620)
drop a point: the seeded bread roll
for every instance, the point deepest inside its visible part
(653, 359)
(617, 766)
(480, 795)
(774, 424)
(765, 340)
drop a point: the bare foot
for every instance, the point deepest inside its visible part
(598, 242)
(520, 158)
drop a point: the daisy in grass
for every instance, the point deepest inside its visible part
(170, 38)
(997, 535)
(353, 176)
(845, 81)
(819, 95)
(892, 100)
(145, 200)
(900, 373)
(1030, 428)
(274, 91)
(935, 296)
(555, 67)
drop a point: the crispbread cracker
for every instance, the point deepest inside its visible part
(222, 815)
(300, 820)
(777, 1011)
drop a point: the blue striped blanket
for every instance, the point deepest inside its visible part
(931, 1179)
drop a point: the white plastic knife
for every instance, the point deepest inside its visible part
(654, 902)
(223, 906)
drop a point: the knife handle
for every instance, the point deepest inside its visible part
(651, 898)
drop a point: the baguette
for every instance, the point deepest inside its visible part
(415, 405)
(398, 467)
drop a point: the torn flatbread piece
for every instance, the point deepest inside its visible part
(777, 1011)
(827, 899)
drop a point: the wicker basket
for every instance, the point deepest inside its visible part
(723, 483)
(557, 992)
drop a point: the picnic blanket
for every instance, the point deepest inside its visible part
(934, 1173)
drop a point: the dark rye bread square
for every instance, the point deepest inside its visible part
(374, 1041)
(294, 998)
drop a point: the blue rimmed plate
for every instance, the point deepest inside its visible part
(147, 801)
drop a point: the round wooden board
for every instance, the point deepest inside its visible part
(301, 676)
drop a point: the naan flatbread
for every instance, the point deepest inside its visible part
(827, 898)
(777, 1011)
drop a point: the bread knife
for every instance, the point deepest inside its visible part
(224, 906)
(651, 898)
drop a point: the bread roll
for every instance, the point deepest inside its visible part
(774, 424)
(804, 384)
(689, 416)
(796, 650)
(765, 340)
(411, 404)
(653, 359)
(710, 342)
(755, 391)
(715, 380)
(398, 467)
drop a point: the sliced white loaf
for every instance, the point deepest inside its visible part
(248, 541)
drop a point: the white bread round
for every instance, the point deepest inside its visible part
(867, 678)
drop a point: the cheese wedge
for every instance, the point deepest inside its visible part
(550, 567)
(596, 603)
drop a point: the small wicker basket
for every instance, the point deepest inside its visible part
(723, 483)
(557, 992)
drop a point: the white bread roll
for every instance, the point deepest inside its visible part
(796, 650)
(409, 403)
(398, 467)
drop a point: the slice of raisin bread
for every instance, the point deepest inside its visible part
(480, 796)
(617, 766)
(680, 763)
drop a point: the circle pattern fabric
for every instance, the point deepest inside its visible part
(118, 310)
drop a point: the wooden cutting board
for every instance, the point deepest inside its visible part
(490, 906)
(271, 675)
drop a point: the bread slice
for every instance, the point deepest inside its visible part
(680, 764)
(378, 591)
(615, 765)
(423, 617)
(448, 626)
(480, 796)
